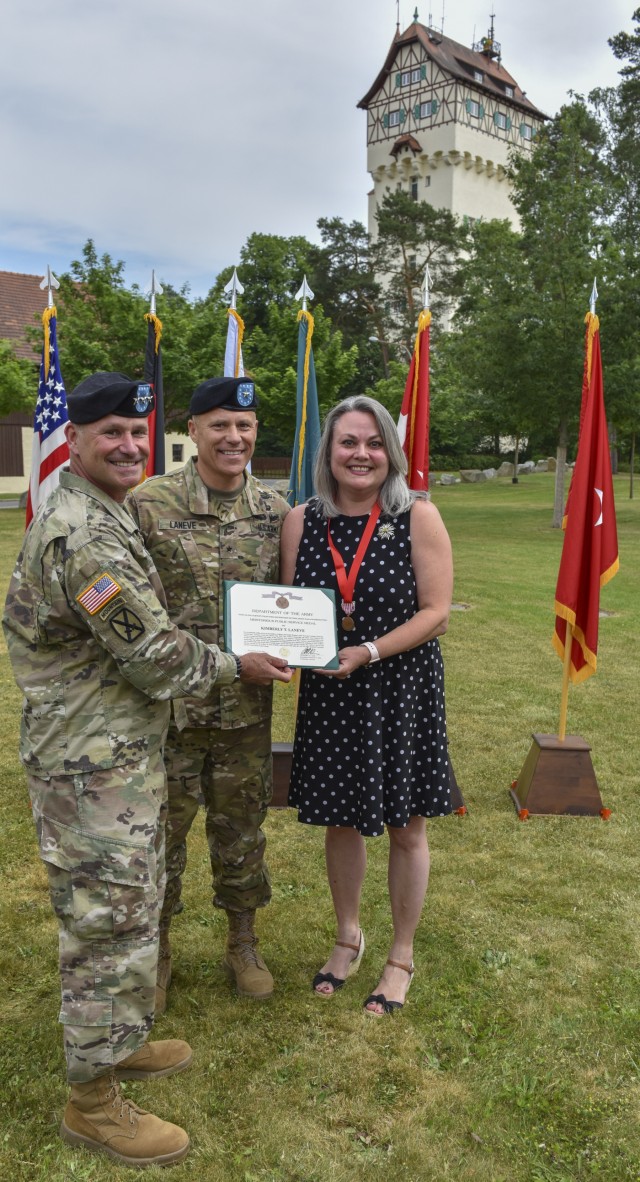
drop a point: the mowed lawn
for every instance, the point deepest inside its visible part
(517, 1056)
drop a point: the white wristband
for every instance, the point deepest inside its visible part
(373, 652)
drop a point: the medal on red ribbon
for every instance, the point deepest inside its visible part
(347, 581)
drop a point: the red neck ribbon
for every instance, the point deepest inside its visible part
(347, 582)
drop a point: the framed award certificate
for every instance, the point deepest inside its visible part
(295, 623)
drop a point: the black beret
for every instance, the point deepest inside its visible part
(105, 394)
(231, 393)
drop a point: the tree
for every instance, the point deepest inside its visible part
(618, 109)
(18, 381)
(412, 234)
(271, 355)
(560, 193)
(493, 346)
(100, 321)
(345, 283)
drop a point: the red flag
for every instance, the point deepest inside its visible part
(590, 550)
(50, 451)
(413, 424)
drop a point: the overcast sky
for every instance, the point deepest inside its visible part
(169, 130)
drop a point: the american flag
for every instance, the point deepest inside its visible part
(97, 593)
(50, 451)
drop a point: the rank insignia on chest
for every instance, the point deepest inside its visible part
(126, 624)
(98, 593)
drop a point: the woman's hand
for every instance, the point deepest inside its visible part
(350, 659)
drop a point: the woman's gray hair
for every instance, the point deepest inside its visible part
(395, 495)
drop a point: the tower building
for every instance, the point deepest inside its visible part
(441, 120)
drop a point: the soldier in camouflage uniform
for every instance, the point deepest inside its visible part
(98, 660)
(205, 523)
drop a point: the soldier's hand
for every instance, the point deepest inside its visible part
(260, 669)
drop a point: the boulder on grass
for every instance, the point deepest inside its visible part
(505, 469)
(472, 476)
(551, 464)
(490, 473)
(527, 467)
(447, 478)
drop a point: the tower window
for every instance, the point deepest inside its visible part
(478, 76)
(500, 120)
(394, 117)
(508, 90)
(427, 182)
(425, 110)
(410, 77)
(526, 131)
(177, 453)
(476, 110)
(414, 187)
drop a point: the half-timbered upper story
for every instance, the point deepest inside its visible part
(441, 121)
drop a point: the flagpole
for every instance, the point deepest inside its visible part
(49, 282)
(233, 363)
(566, 669)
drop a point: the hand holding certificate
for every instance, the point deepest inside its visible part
(296, 623)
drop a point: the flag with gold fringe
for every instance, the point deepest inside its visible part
(413, 424)
(590, 551)
(50, 451)
(307, 437)
(153, 375)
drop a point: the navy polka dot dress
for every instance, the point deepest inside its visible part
(370, 750)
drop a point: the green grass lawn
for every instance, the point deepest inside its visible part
(517, 1056)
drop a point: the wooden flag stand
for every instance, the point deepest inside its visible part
(282, 756)
(557, 777)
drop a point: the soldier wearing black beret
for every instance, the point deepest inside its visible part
(109, 394)
(98, 660)
(209, 521)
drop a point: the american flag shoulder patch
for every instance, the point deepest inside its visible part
(98, 593)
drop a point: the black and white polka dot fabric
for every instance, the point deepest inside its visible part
(370, 750)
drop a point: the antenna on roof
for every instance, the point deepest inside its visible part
(442, 28)
(397, 16)
(415, 16)
(488, 45)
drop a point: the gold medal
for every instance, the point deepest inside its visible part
(282, 601)
(348, 624)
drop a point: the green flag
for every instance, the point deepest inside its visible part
(307, 417)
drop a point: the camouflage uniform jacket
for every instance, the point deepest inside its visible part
(90, 641)
(196, 541)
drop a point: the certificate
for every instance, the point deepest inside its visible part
(296, 623)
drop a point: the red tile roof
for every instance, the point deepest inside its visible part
(21, 302)
(457, 60)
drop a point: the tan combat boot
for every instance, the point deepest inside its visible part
(163, 979)
(99, 1117)
(242, 961)
(155, 1059)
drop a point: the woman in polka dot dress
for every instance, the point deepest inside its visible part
(370, 749)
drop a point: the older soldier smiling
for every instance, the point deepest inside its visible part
(98, 660)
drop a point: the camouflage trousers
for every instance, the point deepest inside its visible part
(231, 769)
(101, 837)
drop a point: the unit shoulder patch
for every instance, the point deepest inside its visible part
(126, 624)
